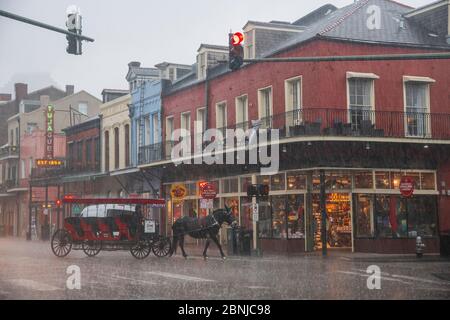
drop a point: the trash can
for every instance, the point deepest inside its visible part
(245, 242)
(445, 243)
(232, 241)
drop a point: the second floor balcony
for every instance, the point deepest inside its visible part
(332, 123)
(150, 153)
(11, 152)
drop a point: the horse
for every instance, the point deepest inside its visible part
(202, 228)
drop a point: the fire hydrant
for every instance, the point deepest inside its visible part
(420, 246)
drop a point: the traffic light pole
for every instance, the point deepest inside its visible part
(413, 56)
(43, 25)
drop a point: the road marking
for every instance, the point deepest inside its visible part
(365, 271)
(419, 279)
(258, 287)
(368, 275)
(179, 276)
(134, 280)
(32, 285)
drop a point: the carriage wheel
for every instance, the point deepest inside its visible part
(61, 243)
(162, 247)
(92, 247)
(141, 249)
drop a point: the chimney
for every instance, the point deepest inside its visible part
(5, 97)
(134, 64)
(21, 92)
(70, 88)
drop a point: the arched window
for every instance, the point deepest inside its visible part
(127, 145)
(107, 168)
(116, 148)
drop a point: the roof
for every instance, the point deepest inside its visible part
(433, 16)
(89, 123)
(165, 64)
(135, 71)
(114, 91)
(348, 23)
(213, 47)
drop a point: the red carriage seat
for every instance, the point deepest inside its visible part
(73, 226)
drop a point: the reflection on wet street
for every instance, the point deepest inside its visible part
(31, 271)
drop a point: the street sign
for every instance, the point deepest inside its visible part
(255, 210)
(206, 204)
(407, 186)
(208, 191)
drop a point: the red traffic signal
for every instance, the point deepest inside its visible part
(235, 50)
(58, 203)
(237, 38)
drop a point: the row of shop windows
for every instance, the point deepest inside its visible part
(296, 180)
(374, 216)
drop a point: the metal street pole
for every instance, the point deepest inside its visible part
(323, 208)
(42, 25)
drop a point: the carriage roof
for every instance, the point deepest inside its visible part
(124, 201)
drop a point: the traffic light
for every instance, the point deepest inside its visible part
(258, 190)
(73, 24)
(235, 50)
(58, 203)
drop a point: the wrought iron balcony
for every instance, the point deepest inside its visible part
(150, 153)
(9, 151)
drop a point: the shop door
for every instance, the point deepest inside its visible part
(339, 226)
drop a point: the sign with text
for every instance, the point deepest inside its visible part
(49, 136)
(49, 163)
(407, 186)
(208, 191)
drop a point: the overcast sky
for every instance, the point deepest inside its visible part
(133, 30)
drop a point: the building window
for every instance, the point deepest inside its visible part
(221, 116)
(88, 152)
(363, 180)
(296, 181)
(364, 215)
(361, 102)
(265, 107)
(417, 109)
(147, 131)
(127, 145)
(11, 137)
(249, 44)
(169, 128)
(79, 152)
(186, 122)
(277, 182)
(230, 185)
(97, 151)
(202, 64)
(200, 126)
(242, 112)
(31, 126)
(107, 168)
(116, 148)
(155, 125)
(293, 98)
(22, 169)
(83, 108)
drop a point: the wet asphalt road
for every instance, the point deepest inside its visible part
(31, 271)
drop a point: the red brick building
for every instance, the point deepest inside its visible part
(364, 124)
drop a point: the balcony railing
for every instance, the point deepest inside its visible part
(150, 153)
(341, 123)
(71, 169)
(10, 151)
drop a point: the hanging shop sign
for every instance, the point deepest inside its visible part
(178, 192)
(49, 163)
(49, 136)
(407, 186)
(206, 204)
(208, 191)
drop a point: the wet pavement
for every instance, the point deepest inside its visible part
(29, 270)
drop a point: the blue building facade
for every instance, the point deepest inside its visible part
(146, 128)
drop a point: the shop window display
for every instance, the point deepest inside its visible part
(245, 213)
(296, 181)
(265, 220)
(382, 180)
(396, 177)
(427, 181)
(338, 181)
(230, 185)
(363, 180)
(364, 215)
(245, 181)
(422, 219)
(277, 182)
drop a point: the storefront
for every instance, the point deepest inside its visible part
(364, 209)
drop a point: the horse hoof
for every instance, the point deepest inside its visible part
(205, 257)
(224, 258)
